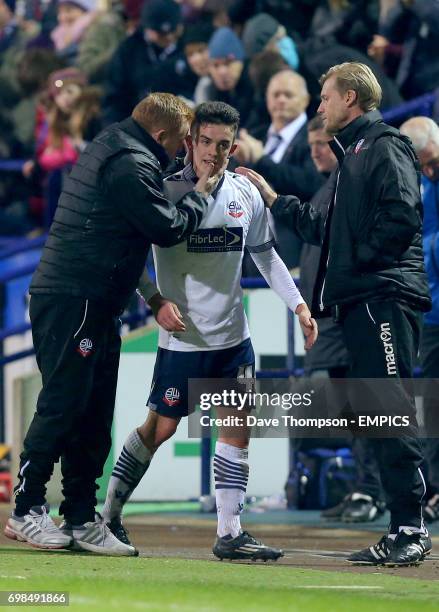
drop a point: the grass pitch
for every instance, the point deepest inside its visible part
(105, 583)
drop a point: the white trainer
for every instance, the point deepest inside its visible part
(96, 537)
(37, 529)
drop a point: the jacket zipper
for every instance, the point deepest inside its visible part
(322, 307)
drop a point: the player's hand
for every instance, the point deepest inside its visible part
(268, 194)
(308, 325)
(205, 184)
(167, 314)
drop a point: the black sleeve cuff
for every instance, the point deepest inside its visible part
(262, 247)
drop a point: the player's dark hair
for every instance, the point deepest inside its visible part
(218, 113)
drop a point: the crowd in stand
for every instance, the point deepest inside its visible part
(70, 67)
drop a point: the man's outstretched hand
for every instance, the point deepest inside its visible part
(268, 194)
(308, 325)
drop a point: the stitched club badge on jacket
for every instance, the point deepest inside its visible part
(85, 347)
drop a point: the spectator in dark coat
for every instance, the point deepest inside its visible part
(147, 61)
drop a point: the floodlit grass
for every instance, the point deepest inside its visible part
(105, 583)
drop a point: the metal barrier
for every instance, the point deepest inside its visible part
(14, 331)
(18, 272)
(12, 165)
(423, 105)
(21, 245)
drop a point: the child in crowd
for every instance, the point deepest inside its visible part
(67, 118)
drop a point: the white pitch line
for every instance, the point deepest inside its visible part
(18, 577)
(344, 587)
(312, 551)
(334, 554)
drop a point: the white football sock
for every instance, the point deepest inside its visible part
(231, 475)
(132, 464)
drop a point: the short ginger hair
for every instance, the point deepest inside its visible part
(162, 111)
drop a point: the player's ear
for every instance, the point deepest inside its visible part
(351, 97)
(162, 136)
(233, 149)
(159, 136)
(189, 142)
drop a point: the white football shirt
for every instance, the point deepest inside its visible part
(202, 274)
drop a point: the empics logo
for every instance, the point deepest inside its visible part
(234, 209)
(85, 347)
(172, 396)
(386, 339)
(215, 240)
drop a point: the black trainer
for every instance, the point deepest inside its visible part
(244, 546)
(408, 549)
(119, 531)
(361, 508)
(374, 555)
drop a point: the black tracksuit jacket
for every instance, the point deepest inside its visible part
(371, 236)
(111, 209)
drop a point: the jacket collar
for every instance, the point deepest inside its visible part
(354, 130)
(131, 126)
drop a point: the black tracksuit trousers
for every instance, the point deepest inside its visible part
(382, 339)
(77, 347)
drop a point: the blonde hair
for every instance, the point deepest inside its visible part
(162, 111)
(359, 78)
